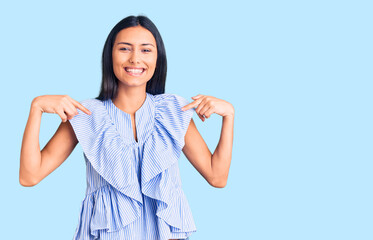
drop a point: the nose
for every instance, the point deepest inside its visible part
(134, 58)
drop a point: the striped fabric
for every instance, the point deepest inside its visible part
(134, 189)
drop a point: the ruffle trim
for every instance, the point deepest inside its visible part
(108, 210)
(115, 206)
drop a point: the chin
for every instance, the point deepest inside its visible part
(133, 83)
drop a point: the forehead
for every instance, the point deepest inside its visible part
(135, 35)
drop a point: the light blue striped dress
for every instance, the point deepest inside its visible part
(134, 189)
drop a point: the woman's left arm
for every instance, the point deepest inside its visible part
(213, 167)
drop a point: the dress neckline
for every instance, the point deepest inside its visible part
(138, 110)
(144, 121)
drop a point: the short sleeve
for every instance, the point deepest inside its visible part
(82, 121)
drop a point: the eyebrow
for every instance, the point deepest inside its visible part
(144, 44)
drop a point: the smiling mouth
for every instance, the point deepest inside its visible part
(134, 71)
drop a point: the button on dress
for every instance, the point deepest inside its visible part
(134, 189)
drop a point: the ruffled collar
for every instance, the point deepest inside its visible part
(144, 120)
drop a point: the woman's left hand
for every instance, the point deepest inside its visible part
(207, 105)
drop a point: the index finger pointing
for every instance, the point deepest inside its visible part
(81, 107)
(186, 107)
(190, 105)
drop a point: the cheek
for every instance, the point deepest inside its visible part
(116, 65)
(153, 61)
(116, 59)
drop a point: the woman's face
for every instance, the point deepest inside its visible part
(134, 56)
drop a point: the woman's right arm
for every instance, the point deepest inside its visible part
(35, 165)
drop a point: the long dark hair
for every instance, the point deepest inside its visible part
(109, 84)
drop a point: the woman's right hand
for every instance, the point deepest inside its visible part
(63, 105)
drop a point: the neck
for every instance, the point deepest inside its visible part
(130, 99)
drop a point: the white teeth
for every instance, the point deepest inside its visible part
(134, 70)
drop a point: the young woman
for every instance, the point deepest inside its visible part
(132, 136)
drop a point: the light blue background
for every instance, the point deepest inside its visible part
(299, 74)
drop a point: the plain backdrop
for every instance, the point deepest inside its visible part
(299, 74)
